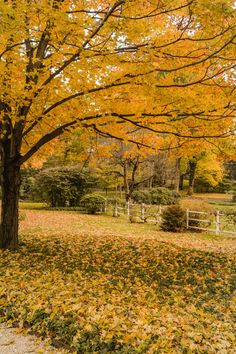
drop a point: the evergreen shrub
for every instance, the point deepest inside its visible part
(173, 219)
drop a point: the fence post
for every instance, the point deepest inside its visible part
(187, 218)
(217, 222)
(128, 209)
(143, 212)
(115, 211)
(105, 206)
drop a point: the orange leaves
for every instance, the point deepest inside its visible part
(62, 62)
(100, 283)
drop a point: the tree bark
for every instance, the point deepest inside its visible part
(192, 171)
(181, 182)
(177, 174)
(10, 184)
(126, 182)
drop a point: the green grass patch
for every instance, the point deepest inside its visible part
(32, 205)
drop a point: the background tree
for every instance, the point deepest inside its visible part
(110, 66)
(128, 165)
(210, 170)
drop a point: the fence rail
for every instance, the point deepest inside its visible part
(145, 213)
(217, 222)
(218, 219)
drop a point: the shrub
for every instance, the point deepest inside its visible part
(224, 186)
(173, 219)
(159, 195)
(164, 196)
(93, 203)
(27, 183)
(63, 186)
(142, 197)
(120, 202)
(234, 198)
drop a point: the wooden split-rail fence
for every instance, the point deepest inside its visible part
(217, 222)
(143, 212)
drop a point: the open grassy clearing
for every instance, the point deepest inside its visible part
(225, 196)
(103, 285)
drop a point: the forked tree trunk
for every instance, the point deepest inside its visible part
(10, 183)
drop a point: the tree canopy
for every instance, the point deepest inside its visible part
(139, 71)
(99, 64)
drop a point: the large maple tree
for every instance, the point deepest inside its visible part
(166, 67)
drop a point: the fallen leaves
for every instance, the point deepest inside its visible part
(101, 290)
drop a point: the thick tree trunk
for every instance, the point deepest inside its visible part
(10, 183)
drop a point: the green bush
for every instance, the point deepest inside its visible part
(173, 219)
(234, 198)
(63, 186)
(164, 196)
(224, 186)
(142, 197)
(159, 195)
(27, 183)
(93, 203)
(120, 202)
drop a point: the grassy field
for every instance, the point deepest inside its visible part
(215, 196)
(102, 285)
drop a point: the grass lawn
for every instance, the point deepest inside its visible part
(103, 285)
(215, 196)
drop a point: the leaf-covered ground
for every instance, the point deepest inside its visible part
(103, 285)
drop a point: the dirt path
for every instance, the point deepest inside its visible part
(12, 342)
